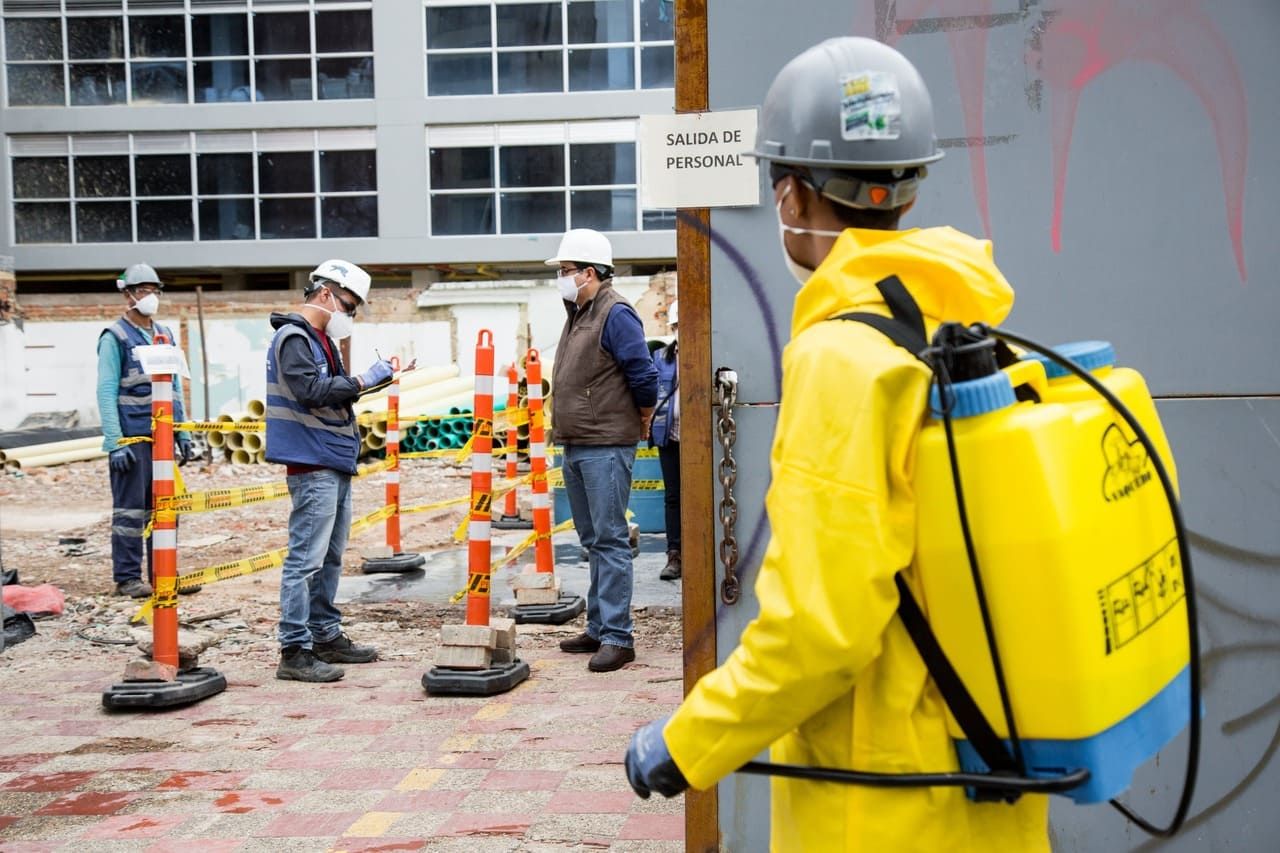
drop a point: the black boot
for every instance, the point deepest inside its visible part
(341, 650)
(299, 664)
(671, 571)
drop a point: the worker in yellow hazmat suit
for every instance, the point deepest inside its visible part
(826, 674)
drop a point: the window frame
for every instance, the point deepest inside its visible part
(494, 51)
(566, 135)
(188, 59)
(192, 144)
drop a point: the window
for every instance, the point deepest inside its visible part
(164, 187)
(536, 179)
(484, 47)
(156, 54)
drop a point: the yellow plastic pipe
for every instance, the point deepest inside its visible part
(60, 457)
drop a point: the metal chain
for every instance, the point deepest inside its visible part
(727, 430)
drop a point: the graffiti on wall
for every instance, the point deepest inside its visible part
(1070, 44)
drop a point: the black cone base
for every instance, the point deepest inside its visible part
(191, 686)
(498, 678)
(562, 611)
(511, 522)
(407, 561)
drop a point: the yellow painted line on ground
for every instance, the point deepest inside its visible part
(494, 711)
(372, 824)
(459, 743)
(420, 779)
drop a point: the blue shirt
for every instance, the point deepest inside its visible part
(623, 338)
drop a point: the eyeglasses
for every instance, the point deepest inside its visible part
(562, 272)
(144, 290)
(346, 306)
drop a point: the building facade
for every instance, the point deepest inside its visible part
(237, 144)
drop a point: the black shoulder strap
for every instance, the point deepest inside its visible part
(984, 739)
(906, 329)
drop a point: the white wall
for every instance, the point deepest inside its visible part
(13, 368)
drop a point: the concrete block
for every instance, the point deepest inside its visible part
(506, 630)
(468, 635)
(463, 657)
(549, 595)
(148, 670)
(504, 655)
(534, 580)
(377, 552)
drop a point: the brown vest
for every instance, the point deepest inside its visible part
(591, 400)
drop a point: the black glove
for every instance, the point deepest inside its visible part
(185, 451)
(121, 459)
(649, 764)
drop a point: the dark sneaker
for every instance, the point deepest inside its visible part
(134, 588)
(610, 658)
(299, 664)
(671, 571)
(582, 644)
(341, 650)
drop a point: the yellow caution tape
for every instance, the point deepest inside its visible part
(133, 439)
(514, 417)
(212, 574)
(506, 559)
(247, 566)
(431, 507)
(216, 499)
(221, 426)
(360, 525)
(461, 455)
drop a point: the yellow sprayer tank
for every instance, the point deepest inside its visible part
(1075, 544)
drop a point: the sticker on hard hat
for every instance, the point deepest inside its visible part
(870, 106)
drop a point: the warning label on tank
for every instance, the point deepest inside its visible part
(1138, 599)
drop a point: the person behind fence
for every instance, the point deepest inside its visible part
(827, 675)
(605, 388)
(664, 433)
(311, 429)
(124, 404)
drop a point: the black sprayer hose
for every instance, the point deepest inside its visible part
(985, 781)
(944, 396)
(1184, 555)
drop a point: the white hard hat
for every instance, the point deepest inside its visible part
(584, 246)
(136, 275)
(673, 312)
(346, 275)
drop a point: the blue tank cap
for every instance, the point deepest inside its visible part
(976, 396)
(1091, 355)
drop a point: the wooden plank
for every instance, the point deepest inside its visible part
(693, 261)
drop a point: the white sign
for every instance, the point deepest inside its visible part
(698, 160)
(162, 359)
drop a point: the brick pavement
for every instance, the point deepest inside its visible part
(368, 763)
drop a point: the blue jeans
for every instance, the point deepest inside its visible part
(598, 483)
(318, 527)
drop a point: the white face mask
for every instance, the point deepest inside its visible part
(569, 286)
(800, 272)
(340, 323)
(147, 305)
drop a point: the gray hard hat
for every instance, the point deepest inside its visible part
(850, 104)
(138, 274)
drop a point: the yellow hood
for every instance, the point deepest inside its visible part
(951, 276)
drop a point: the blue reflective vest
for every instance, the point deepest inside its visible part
(134, 396)
(668, 381)
(325, 436)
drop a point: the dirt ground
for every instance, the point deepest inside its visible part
(55, 528)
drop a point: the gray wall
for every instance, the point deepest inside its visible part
(1162, 247)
